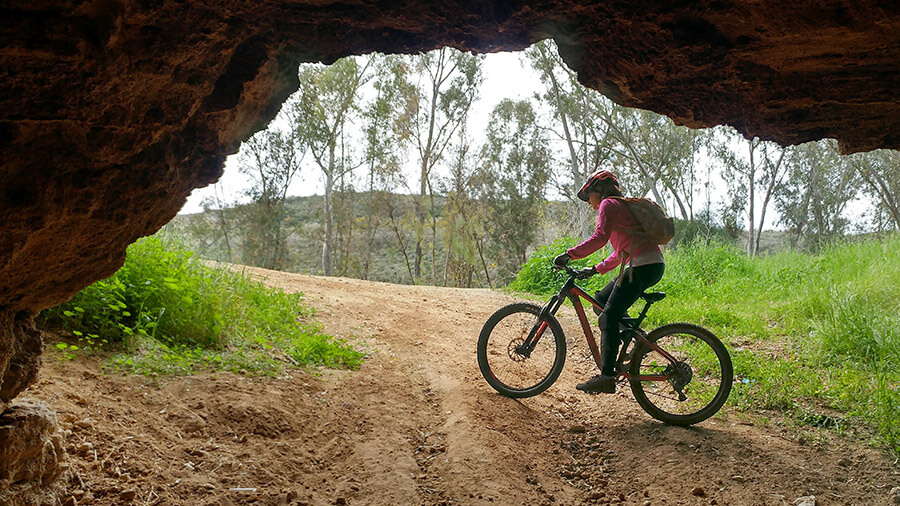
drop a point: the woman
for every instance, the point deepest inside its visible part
(616, 225)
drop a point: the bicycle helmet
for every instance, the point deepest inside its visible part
(597, 179)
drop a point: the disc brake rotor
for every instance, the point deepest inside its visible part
(513, 350)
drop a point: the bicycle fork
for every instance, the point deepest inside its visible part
(534, 335)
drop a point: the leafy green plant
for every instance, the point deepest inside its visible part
(173, 314)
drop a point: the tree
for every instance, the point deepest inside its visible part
(464, 230)
(880, 172)
(819, 185)
(762, 168)
(515, 172)
(588, 140)
(271, 159)
(386, 119)
(326, 101)
(449, 81)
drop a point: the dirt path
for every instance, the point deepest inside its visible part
(418, 425)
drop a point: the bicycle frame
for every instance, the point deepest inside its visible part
(574, 293)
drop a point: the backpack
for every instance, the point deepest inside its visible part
(657, 228)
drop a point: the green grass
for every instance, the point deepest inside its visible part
(813, 336)
(172, 314)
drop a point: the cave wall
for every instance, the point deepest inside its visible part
(111, 111)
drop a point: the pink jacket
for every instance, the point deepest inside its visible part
(614, 220)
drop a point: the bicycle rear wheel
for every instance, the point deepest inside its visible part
(698, 377)
(508, 368)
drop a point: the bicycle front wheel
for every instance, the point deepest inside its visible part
(685, 377)
(506, 365)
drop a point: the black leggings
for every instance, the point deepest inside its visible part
(616, 301)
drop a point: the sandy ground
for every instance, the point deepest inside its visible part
(417, 424)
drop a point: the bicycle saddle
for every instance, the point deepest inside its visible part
(653, 296)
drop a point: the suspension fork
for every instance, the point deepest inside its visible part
(534, 335)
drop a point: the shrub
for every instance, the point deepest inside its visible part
(538, 276)
(174, 314)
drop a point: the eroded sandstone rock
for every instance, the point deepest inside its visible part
(21, 345)
(32, 459)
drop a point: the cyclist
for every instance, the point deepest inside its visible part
(645, 268)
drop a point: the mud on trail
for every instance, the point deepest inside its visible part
(417, 424)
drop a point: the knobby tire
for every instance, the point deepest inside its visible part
(512, 374)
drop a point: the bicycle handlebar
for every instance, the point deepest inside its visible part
(573, 273)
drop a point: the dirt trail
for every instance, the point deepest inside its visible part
(418, 425)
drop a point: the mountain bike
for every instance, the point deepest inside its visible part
(680, 373)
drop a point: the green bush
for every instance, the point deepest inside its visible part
(538, 276)
(174, 314)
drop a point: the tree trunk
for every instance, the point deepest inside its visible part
(329, 215)
(751, 192)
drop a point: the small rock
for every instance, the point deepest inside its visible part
(646, 503)
(84, 448)
(738, 478)
(597, 494)
(577, 429)
(86, 423)
(807, 500)
(340, 501)
(895, 494)
(698, 491)
(128, 495)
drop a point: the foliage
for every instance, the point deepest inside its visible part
(538, 275)
(271, 159)
(173, 314)
(514, 175)
(819, 186)
(810, 334)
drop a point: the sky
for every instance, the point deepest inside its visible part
(506, 75)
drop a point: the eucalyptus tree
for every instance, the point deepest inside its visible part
(447, 84)
(464, 230)
(577, 123)
(880, 173)
(326, 103)
(271, 159)
(656, 156)
(515, 171)
(818, 188)
(386, 119)
(754, 172)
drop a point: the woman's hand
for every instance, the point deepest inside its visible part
(586, 273)
(561, 260)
